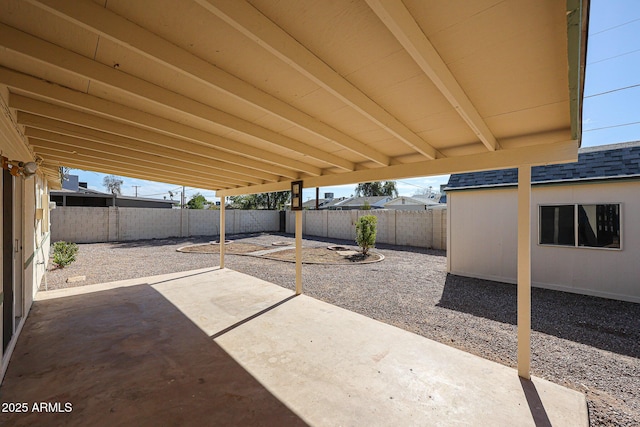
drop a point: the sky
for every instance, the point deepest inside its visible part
(611, 107)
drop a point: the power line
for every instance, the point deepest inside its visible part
(613, 57)
(164, 192)
(614, 27)
(612, 126)
(613, 90)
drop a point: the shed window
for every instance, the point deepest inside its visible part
(594, 226)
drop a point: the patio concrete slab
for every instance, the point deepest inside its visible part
(216, 347)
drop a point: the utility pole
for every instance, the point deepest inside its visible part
(136, 187)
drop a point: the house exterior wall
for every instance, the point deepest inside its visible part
(31, 230)
(483, 240)
(425, 229)
(90, 225)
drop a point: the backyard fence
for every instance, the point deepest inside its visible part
(426, 229)
(116, 224)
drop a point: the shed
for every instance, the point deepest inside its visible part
(585, 231)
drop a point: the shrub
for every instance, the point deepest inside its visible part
(366, 232)
(64, 253)
(366, 206)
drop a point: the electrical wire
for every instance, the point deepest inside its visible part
(612, 91)
(614, 27)
(612, 126)
(613, 57)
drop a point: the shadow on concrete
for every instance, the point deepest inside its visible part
(539, 414)
(258, 314)
(598, 322)
(127, 356)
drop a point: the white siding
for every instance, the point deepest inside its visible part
(483, 240)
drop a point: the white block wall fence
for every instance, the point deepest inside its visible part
(90, 224)
(113, 224)
(426, 229)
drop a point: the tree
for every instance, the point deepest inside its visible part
(272, 201)
(197, 201)
(366, 232)
(377, 188)
(113, 184)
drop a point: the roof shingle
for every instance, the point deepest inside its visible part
(603, 162)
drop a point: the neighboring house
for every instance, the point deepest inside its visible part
(74, 193)
(413, 203)
(356, 203)
(585, 224)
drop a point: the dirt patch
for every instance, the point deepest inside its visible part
(230, 248)
(324, 256)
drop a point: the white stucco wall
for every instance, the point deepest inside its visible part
(483, 240)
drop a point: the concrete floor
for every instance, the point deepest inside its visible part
(216, 347)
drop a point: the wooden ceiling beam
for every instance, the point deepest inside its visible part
(114, 168)
(42, 138)
(258, 28)
(559, 152)
(71, 62)
(396, 17)
(107, 24)
(94, 105)
(130, 146)
(226, 161)
(45, 148)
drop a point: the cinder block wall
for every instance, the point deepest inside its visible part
(88, 225)
(149, 223)
(80, 224)
(91, 225)
(425, 229)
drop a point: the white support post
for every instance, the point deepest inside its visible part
(524, 271)
(222, 234)
(298, 252)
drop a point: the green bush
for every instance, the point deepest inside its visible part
(366, 232)
(64, 253)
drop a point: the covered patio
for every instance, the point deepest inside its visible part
(247, 97)
(217, 347)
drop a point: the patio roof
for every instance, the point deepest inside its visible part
(244, 97)
(247, 96)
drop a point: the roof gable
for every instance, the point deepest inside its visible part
(594, 163)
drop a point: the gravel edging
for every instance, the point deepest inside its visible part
(586, 343)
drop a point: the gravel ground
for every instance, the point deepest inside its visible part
(585, 343)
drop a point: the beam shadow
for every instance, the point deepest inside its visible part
(539, 414)
(128, 356)
(253, 316)
(598, 322)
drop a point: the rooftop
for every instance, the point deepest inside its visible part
(594, 163)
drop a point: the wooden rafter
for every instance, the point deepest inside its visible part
(394, 14)
(234, 162)
(249, 21)
(119, 30)
(94, 105)
(81, 66)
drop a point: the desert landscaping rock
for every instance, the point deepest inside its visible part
(585, 343)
